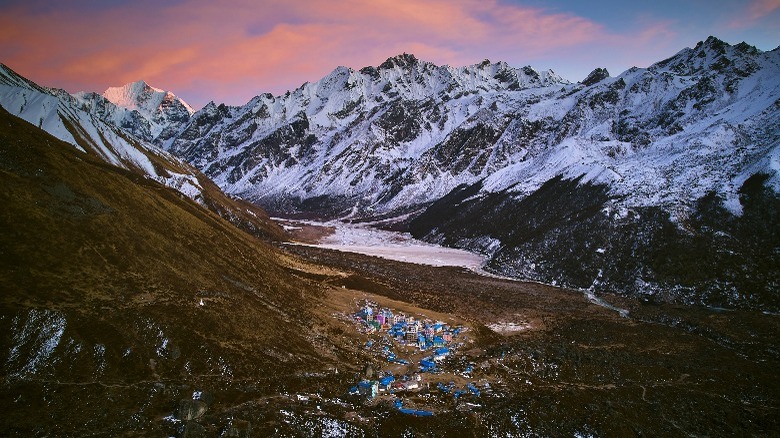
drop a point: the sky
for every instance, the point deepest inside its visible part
(231, 50)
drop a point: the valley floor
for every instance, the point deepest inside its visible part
(559, 364)
(548, 361)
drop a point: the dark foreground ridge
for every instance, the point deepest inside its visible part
(121, 297)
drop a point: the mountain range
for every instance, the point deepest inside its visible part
(660, 182)
(405, 133)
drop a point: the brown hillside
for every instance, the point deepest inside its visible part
(120, 298)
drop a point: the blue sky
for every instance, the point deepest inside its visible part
(756, 22)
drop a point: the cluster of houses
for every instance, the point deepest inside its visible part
(405, 329)
(388, 383)
(427, 335)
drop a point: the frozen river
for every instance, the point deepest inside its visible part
(393, 245)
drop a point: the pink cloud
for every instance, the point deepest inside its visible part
(229, 52)
(761, 8)
(755, 11)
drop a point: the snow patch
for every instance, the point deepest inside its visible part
(363, 239)
(35, 336)
(509, 327)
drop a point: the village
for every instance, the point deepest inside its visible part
(421, 359)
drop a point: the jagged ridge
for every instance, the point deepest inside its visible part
(367, 137)
(386, 138)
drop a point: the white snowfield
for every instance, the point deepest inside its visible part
(509, 327)
(392, 245)
(364, 239)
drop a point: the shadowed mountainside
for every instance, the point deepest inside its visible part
(570, 233)
(124, 295)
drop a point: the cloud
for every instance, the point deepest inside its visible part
(754, 12)
(231, 51)
(761, 8)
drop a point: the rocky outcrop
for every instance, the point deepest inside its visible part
(595, 77)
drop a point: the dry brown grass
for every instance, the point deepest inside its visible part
(127, 262)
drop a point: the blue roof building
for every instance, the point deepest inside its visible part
(427, 365)
(368, 388)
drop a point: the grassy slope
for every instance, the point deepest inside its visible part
(125, 262)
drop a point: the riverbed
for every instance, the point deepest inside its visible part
(363, 238)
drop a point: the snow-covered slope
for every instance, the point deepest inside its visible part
(146, 112)
(407, 132)
(400, 134)
(67, 118)
(704, 120)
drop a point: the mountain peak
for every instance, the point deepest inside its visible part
(138, 84)
(596, 76)
(402, 60)
(712, 54)
(746, 48)
(712, 43)
(128, 95)
(141, 96)
(711, 48)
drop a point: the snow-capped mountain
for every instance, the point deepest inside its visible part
(94, 125)
(67, 118)
(391, 139)
(381, 138)
(407, 132)
(148, 113)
